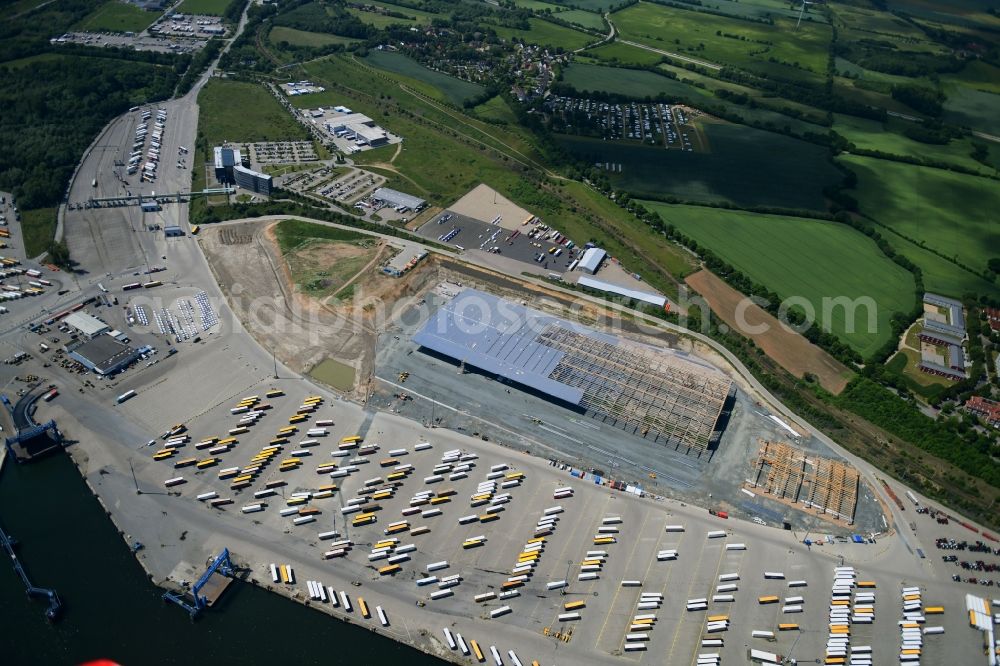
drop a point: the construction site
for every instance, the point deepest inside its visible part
(806, 481)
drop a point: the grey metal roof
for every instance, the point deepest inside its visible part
(937, 367)
(933, 326)
(396, 198)
(591, 259)
(945, 337)
(643, 296)
(955, 316)
(499, 337)
(957, 356)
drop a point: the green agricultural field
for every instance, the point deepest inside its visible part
(547, 34)
(887, 138)
(495, 108)
(415, 16)
(118, 16)
(295, 37)
(806, 259)
(951, 213)
(977, 75)
(212, 7)
(537, 6)
(588, 20)
(261, 117)
(625, 54)
(745, 166)
(749, 45)
(455, 90)
(972, 108)
(766, 9)
(638, 83)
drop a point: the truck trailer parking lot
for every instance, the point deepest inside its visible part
(429, 529)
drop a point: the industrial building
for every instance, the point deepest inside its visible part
(592, 259)
(635, 294)
(104, 355)
(254, 181)
(358, 128)
(86, 325)
(172, 231)
(398, 199)
(667, 397)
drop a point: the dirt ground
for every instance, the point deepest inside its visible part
(484, 203)
(792, 351)
(302, 330)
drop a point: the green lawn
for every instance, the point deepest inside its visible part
(38, 227)
(210, 7)
(118, 16)
(745, 166)
(455, 90)
(305, 38)
(548, 34)
(236, 111)
(748, 44)
(805, 259)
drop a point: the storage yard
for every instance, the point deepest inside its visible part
(412, 530)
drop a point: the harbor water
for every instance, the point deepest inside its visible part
(112, 611)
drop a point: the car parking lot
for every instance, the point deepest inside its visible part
(660, 124)
(450, 551)
(466, 233)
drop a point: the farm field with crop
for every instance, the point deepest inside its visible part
(721, 39)
(305, 38)
(454, 89)
(638, 83)
(743, 165)
(548, 34)
(950, 213)
(805, 259)
(116, 16)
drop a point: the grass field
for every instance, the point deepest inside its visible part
(873, 135)
(454, 90)
(745, 166)
(118, 16)
(977, 75)
(804, 258)
(292, 234)
(212, 7)
(415, 16)
(952, 213)
(625, 54)
(749, 45)
(972, 108)
(548, 34)
(638, 83)
(588, 20)
(261, 117)
(495, 108)
(905, 363)
(305, 38)
(38, 228)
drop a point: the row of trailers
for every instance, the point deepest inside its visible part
(284, 574)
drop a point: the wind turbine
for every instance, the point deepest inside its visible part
(802, 10)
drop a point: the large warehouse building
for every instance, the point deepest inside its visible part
(104, 355)
(661, 394)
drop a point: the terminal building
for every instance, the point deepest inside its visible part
(103, 355)
(86, 325)
(398, 199)
(358, 128)
(662, 395)
(251, 180)
(229, 169)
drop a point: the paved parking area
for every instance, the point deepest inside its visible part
(475, 235)
(598, 636)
